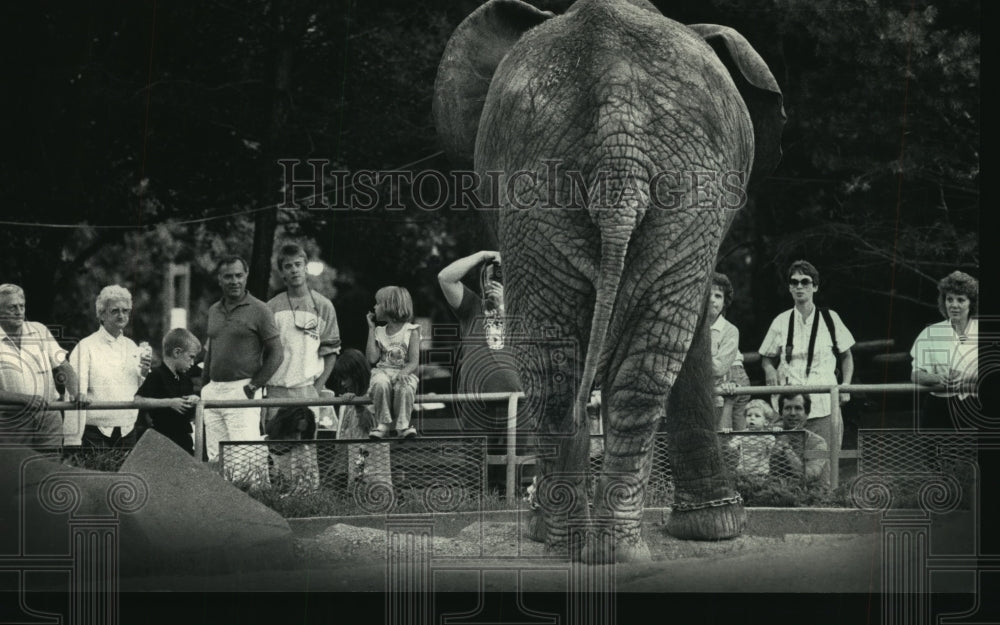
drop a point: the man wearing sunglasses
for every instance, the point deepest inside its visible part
(800, 349)
(310, 336)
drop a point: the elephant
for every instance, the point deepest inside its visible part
(616, 146)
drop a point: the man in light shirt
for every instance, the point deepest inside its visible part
(29, 358)
(799, 349)
(307, 325)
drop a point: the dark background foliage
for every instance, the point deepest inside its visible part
(152, 131)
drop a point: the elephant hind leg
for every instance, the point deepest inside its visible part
(616, 527)
(616, 535)
(706, 506)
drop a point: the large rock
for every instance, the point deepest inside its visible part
(38, 497)
(194, 521)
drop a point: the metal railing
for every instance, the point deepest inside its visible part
(510, 459)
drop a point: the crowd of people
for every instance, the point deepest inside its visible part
(811, 345)
(290, 347)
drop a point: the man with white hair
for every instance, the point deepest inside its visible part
(111, 368)
(29, 358)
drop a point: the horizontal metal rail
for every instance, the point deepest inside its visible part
(510, 459)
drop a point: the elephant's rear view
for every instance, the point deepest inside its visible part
(617, 145)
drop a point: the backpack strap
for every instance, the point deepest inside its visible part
(828, 320)
(812, 343)
(788, 337)
(830, 328)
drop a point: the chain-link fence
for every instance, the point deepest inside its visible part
(364, 477)
(772, 456)
(330, 477)
(899, 467)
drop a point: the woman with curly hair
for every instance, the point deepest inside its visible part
(945, 355)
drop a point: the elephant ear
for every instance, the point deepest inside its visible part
(471, 57)
(759, 89)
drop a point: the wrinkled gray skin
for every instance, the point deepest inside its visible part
(612, 290)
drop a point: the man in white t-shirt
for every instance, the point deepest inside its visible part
(310, 336)
(799, 349)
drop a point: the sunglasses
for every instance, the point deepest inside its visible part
(802, 282)
(308, 324)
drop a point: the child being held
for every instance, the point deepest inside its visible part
(394, 349)
(167, 396)
(352, 375)
(756, 450)
(295, 463)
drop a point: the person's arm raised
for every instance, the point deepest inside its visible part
(450, 278)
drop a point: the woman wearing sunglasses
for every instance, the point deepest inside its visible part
(805, 345)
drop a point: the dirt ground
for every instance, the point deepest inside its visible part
(349, 558)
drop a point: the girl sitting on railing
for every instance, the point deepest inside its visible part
(394, 349)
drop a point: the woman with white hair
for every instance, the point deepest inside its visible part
(111, 368)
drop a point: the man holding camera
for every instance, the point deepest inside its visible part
(485, 362)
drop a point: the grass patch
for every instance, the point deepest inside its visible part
(108, 460)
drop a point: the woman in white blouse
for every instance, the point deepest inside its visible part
(946, 354)
(111, 368)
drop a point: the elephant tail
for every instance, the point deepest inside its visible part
(612, 265)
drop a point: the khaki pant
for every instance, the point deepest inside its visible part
(31, 429)
(283, 392)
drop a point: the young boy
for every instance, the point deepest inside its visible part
(167, 396)
(755, 459)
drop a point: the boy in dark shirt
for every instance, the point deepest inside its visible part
(167, 396)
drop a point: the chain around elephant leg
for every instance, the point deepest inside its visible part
(705, 507)
(716, 519)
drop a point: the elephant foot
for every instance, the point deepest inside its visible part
(616, 545)
(707, 523)
(536, 527)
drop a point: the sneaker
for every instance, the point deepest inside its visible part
(410, 432)
(379, 432)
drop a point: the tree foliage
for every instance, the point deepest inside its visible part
(167, 120)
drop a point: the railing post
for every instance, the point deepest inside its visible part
(726, 421)
(835, 433)
(199, 431)
(511, 457)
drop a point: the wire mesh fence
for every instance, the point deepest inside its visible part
(915, 469)
(903, 452)
(896, 468)
(443, 474)
(763, 455)
(333, 477)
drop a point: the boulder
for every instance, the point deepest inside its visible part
(193, 521)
